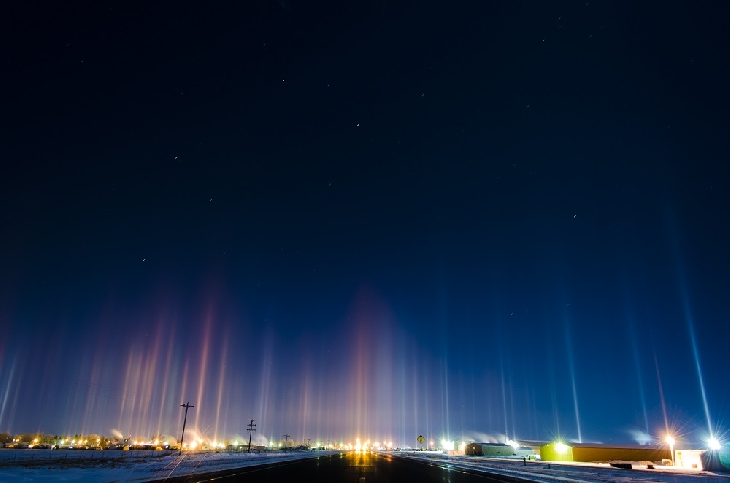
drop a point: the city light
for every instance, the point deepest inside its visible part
(561, 448)
(670, 441)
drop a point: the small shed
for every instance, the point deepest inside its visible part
(489, 449)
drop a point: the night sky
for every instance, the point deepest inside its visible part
(366, 219)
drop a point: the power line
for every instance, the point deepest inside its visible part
(187, 406)
(251, 429)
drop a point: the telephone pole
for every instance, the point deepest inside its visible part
(185, 420)
(286, 441)
(251, 429)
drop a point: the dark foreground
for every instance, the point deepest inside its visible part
(349, 467)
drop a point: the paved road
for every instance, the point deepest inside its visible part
(349, 467)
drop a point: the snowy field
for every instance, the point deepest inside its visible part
(544, 472)
(126, 466)
(138, 466)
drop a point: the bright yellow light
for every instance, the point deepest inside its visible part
(669, 440)
(560, 447)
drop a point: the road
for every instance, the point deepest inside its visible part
(350, 467)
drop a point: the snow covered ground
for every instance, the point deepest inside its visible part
(126, 466)
(136, 466)
(544, 472)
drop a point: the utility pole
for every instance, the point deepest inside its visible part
(286, 441)
(309, 442)
(251, 429)
(185, 420)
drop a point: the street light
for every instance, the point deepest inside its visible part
(670, 441)
(713, 444)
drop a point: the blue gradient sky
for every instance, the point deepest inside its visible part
(366, 220)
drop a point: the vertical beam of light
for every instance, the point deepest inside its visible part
(661, 395)
(535, 415)
(404, 378)
(690, 327)
(504, 395)
(554, 398)
(199, 409)
(221, 387)
(166, 379)
(462, 405)
(699, 375)
(445, 395)
(551, 374)
(129, 394)
(425, 373)
(575, 405)
(150, 386)
(512, 407)
(681, 277)
(8, 385)
(322, 430)
(265, 383)
(384, 409)
(569, 345)
(417, 426)
(358, 388)
(304, 408)
(639, 379)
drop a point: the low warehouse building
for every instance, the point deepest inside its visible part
(489, 449)
(601, 453)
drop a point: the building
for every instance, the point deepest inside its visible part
(489, 449)
(601, 453)
(717, 459)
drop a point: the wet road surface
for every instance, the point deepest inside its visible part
(350, 467)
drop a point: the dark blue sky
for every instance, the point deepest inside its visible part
(365, 219)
